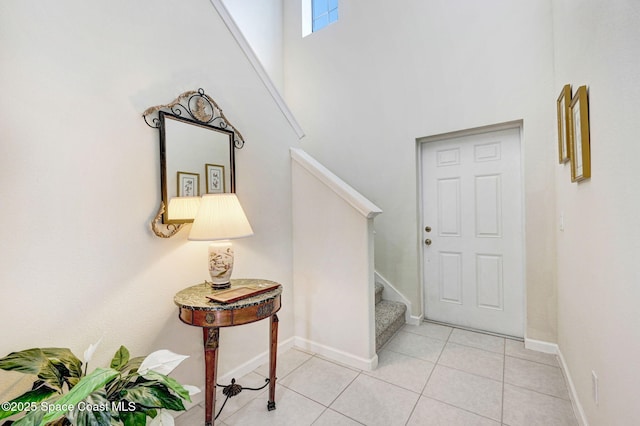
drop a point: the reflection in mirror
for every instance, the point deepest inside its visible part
(197, 156)
(198, 161)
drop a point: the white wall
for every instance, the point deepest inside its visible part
(598, 44)
(366, 87)
(261, 24)
(79, 172)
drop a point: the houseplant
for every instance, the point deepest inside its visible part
(127, 393)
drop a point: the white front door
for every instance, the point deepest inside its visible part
(473, 231)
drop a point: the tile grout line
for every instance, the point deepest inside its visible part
(420, 394)
(453, 368)
(435, 364)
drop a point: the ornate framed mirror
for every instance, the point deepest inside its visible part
(197, 156)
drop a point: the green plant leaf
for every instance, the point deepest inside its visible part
(65, 361)
(133, 364)
(152, 395)
(170, 383)
(33, 396)
(120, 359)
(96, 411)
(33, 418)
(87, 385)
(33, 361)
(133, 418)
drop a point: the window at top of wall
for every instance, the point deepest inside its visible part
(323, 13)
(317, 14)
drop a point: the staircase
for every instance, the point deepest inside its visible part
(389, 317)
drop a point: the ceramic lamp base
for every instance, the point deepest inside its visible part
(221, 264)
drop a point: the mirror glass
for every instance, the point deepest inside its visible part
(196, 159)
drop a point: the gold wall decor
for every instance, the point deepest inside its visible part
(580, 145)
(563, 123)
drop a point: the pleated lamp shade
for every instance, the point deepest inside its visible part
(220, 217)
(183, 208)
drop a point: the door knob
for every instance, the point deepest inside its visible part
(427, 242)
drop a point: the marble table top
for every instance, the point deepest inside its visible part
(195, 297)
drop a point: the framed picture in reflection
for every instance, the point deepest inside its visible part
(215, 179)
(188, 184)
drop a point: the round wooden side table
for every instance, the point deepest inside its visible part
(195, 308)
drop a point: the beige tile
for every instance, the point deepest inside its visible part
(478, 340)
(428, 329)
(459, 391)
(285, 363)
(292, 409)
(535, 376)
(472, 360)
(516, 349)
(375, 403)
(473, 393)
(523, 407)
(429, 412)
(425, 348)
(319, 380)
(194, 416)
(402, 370)
(235, 403)
(332, 418)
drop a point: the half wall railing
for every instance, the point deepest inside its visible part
(333, 265)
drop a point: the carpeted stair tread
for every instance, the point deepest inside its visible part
(389, 319)
(379, 289)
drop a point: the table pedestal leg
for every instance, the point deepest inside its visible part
(211, 336)
(273, 352)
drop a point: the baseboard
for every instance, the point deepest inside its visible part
(415, 320)
(336, 354)
(541, 346)
(553, 348)
(255, 362)
(575, 402)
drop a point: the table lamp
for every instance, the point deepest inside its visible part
(183, 209)
(220, 218)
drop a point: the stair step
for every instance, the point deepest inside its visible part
(379, 289)
(389, 319)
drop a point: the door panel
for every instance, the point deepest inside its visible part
(472, 200)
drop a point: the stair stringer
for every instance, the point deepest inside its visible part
(392, 293)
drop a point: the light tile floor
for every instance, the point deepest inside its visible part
(427, 375)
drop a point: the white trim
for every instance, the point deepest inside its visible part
(415, 320)
(255, 362)
(575, 402)
(337, 355)
(257, 65)
(541, 346)
(307, 18)
(337, 185)
(553, 348)
(489, 128)
(392, 293)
